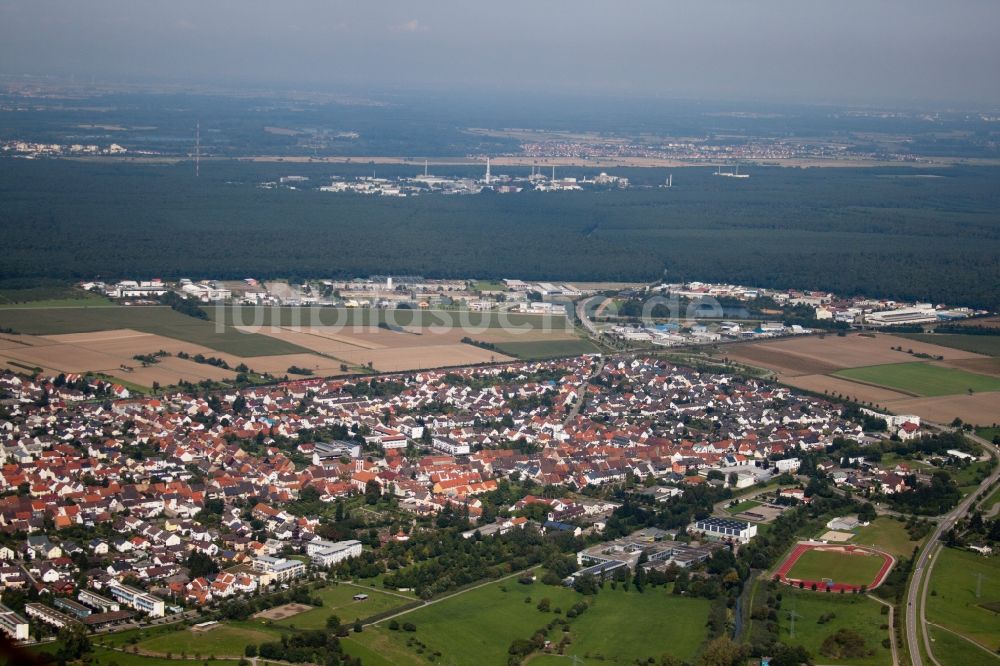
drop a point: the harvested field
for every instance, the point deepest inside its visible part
(978, 408)
(983, 366)
(278, 365)
(782, 361)
(417, 358)
(835, 386)
(282, 612)
(808, 355)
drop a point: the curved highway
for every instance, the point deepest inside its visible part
(915, 599)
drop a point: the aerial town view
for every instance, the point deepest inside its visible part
(662, 333)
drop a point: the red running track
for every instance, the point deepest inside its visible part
(782, 573)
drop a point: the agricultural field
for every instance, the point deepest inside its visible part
(952, 601)
(158, 320)
(887, 534)
(547, 348)
(338, 600)
(922, 379)
(848, 611)
(869, 368)
(980, 344)
(853, 570)
(268, 340)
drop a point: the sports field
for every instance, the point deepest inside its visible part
(848, 566)
(922, 379)
(854, 570)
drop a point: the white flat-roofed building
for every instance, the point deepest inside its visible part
(49, 616)
(137, 599)
(450, 446)
(726, 528)
(94, 600)
(324, 553)
(916, 315)
(278, 568)
(13, 625)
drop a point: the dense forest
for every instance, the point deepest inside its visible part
(882, 232)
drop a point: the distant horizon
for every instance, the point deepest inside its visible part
(871, 53)
(384, 94)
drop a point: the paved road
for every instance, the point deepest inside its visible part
(915, 600)
(578, 403)
(581, 314)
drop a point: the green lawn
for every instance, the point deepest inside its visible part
(106, 657)
(489, 285)
(477, 626)
(978, 344)
(856, 612)
(951, 597)
(847, 569)
(542, 349)
(623, 627)
(337, 600)
(921, 378)
(157, 320)
(951, 650)
(743, 506)
(224, 640)
(888, 534)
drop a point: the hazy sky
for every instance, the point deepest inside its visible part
(858, 51)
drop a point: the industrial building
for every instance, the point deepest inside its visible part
(727, 529)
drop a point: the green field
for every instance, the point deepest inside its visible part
(854, 570)
(979, 344)
(921, 379)
(224, 640)
(952, 650)
(489, 285)
(55, 295)
(337, 600)
(856, 612)
(951, 597)
(745, 505)
(156, 320)
(888, 534)
(106, 657)
(479, 625)
(625, 627)
(542, 349)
